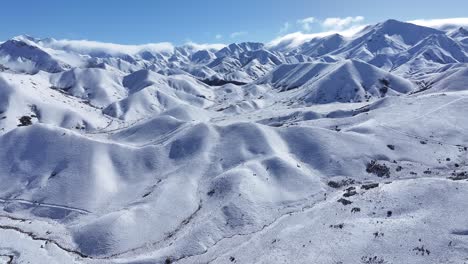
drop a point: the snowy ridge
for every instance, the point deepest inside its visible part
(337, 150)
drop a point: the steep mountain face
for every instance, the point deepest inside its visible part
(337, 150)
(17, 54)
(389, 45)
(431, 52)
(389, 37)
(440, 49)
(245, 62)
(347, 81)
(447, 78)
(459, 33)
(202, 56)
(321, 46)
(235, 50)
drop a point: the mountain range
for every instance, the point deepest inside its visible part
(333, 150)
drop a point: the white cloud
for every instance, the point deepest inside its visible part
(306, 23)
(238, 34)
(205, 46)
(284, 28)
(295, 39)
(442, 23)
(338, 23)
(88, 47)
(346, 27)
(218, 36)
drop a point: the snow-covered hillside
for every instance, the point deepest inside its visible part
(335, 150)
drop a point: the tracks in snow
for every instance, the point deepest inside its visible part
(35, 237)
(40, 204)
(47, 240)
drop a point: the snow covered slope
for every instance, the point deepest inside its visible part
(22, 56)
(339, 150)
(344, 81)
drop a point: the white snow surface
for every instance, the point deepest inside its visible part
(340, 150)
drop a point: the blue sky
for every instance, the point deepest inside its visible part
(205, 21)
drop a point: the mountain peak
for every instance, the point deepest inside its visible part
(235, 49)
(394, 27)
(392, 21)
(460, 32)
(25, 37)
(391, 35)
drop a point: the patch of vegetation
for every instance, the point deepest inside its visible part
(339, 184)
(351, 191)
(423, 86)
(344, 201)
(369, 186)
(421, 250)
(381, 170)
(383, 90)
(372, 260)
(53, 174)
(338, 226)
(459, 176)
(385, 82)
(378, 234)
(220, 82)
(146, 195)
(25, 121)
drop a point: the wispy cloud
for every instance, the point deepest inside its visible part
(205, 46)
(218, 36)
(306, 23)
(329, 23)
(88, 47)
(285, 28)
(338, 23)
(295, 39)
(345, 26)
(442, 22)
(238, 34)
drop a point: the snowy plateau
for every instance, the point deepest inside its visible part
(334, 150)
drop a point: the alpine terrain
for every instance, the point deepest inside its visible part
(332, 150)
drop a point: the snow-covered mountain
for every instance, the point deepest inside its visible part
(23, 56)
(321, 46)
(344, 81)
(341, 149)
